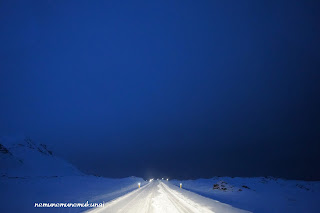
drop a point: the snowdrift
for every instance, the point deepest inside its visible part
(30, 173)
(259, 194)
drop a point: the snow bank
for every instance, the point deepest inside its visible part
(259, 194)
(30, 173)
(20, 194)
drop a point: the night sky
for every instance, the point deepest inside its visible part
(181, 89)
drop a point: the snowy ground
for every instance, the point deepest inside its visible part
(122, 195)
(161, 196)
(260, 195)
(19, 194)
(30, 173)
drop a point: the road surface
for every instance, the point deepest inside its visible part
(163, 197)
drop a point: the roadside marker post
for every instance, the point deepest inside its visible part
(139, 185)
(180, 185)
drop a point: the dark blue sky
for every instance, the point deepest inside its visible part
(169, 88)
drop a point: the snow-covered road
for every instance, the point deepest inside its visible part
(161, 196)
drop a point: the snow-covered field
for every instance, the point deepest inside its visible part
(19, 195)
(259, 194)
(161, 197)
(30, 173)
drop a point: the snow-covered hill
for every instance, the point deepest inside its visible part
(259, 194)
(30, 173)
(22, 157)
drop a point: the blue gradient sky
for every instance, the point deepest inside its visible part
(175, 88)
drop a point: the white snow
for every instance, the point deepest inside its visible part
(29, 159)
(30, 173)
(160, 196)
(19, 194)
(263, 195)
